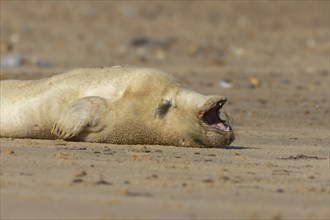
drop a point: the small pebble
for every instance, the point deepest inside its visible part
(149, 42)
(77, 180)
(209, 180)
(280, 190)
(285, 82)
(43, 64)
(103, 182)
(262, 101)
(153, 176)
(217, 62)
(238, 51)
(5, 47)
(7, 152)
(225, 84)
(11, 61)
(80, 174)
(254, 82)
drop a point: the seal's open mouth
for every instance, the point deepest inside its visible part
(212, 118)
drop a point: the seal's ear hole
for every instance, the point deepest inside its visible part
(163, 108)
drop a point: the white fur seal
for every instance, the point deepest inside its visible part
(119, 105)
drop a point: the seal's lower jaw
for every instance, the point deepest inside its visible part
(211, 117)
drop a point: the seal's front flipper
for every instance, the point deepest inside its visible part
(84, 114)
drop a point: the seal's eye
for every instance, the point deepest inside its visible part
(163, 108)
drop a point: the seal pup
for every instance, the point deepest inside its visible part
(119, 105)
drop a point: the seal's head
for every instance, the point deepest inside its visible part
(195, 119)
(158, 109)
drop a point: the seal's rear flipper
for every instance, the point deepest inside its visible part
(84, 114)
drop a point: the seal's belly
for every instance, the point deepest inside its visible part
(23, 118)
(26, 111)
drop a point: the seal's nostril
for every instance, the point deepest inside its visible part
(222, 99)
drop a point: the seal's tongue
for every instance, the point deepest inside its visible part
(221, 126)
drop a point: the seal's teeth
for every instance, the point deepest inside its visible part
(220, 104)
(219, 115)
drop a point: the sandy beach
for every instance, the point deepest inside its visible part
(271, 59)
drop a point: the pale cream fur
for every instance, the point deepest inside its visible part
(113, 105)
